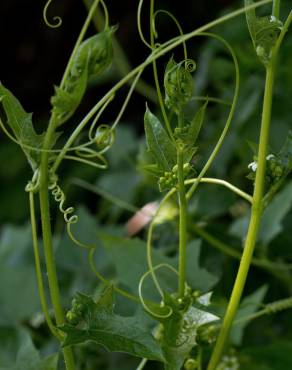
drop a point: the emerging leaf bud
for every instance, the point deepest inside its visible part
(178, 83)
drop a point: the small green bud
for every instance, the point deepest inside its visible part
(260, 51)
(196, 294)
(72, 318)
(175, 168)
(104, 136)
(208, 335)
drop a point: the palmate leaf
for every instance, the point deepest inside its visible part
(159, 143)
(125, 252)
(92, 58)
(20, 123)
(264, 32)
(96, 321)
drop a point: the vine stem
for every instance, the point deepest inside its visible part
(45, 205)
(47, 241)
(254, 223)
(38, 269)
(182, 216)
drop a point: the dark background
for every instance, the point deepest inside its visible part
(33, 56)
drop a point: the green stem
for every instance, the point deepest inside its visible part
(182, 216)
(254, 223)
(45, 207)
(38, 269)
(47, 241)
(276, 8)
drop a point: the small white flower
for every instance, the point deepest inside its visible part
(253, 166)
(269, 157)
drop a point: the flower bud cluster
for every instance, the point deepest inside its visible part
(170, 178)
(74, 315)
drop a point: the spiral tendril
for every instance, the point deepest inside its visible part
(190, 65)
(56, 19)
(60, 198)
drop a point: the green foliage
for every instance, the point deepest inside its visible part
(159, 144)
(264, 32)
(15, 255)
(186, 136)
(124, 252)
(20, 123)
(179, 331)
(178, 84)
(92, 58)
(96, 321)
(176, 268)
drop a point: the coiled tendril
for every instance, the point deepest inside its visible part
(60, 198)
(190, 65)
(56, 19)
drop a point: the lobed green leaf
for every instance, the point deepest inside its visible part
(97, 321)
(20, 123)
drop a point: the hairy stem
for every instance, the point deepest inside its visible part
(254, 223)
